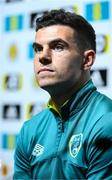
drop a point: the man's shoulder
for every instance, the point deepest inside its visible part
(102, 129)
(102, 108)
(39, 117)
(103, 101)
(101, 114)
(32, 127)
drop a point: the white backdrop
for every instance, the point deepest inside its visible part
(20, 98)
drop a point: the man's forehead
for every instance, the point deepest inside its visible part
(50, 33)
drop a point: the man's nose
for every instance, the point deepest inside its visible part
(45, 56)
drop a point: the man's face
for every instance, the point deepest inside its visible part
(57, 61)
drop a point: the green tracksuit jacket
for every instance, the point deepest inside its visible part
(77, 145)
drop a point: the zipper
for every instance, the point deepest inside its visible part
(60, 131)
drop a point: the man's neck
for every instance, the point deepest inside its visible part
(60, 99)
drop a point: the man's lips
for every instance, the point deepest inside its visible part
(44, 70)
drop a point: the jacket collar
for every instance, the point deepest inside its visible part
(78, 100)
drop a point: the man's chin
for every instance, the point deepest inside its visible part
(46, 86)
(50, 88)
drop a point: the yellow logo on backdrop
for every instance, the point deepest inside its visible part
(4, 169)
(13, 52)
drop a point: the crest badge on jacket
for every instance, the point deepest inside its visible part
(75, 144)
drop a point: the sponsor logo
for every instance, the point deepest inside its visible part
(38, 150)
(33, 17)
(12, 82)
(33, 109)
(9, 141)
(99, 77)
(13, 23)
(75, 144)
(102, 43)
(11, 111)
(97, 11)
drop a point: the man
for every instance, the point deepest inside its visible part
(72, 138)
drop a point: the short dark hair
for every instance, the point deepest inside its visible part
(85, 38)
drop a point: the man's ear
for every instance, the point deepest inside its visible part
(89, 58)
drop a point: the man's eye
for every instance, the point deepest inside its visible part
(37, 49)
(59, 47)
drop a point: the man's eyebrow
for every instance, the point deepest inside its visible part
(35, 45)
(58, 40)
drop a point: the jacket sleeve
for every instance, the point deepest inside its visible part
(99, 150)
(22, 168)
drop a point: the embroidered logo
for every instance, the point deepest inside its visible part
(38, 150)
(75, 144)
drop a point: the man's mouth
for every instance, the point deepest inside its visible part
(43, 70)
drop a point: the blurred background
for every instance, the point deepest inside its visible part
(20, 97)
